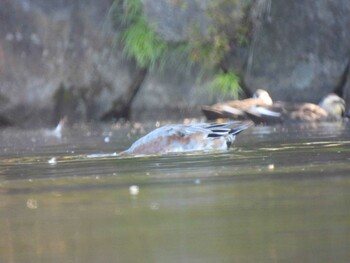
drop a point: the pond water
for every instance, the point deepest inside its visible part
(282, 194)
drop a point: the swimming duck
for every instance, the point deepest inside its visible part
(235, 109)
(331, 108)
(188, 137)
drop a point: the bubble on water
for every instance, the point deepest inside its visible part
(32, 204)
(154, 206)
(271, 166)
(52, 161)
(134, 190)
(197, 181)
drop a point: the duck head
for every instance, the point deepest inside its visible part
(263, 95)
(334, 105)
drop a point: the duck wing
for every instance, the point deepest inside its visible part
(224, 129)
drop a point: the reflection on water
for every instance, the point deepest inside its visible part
(281, 195)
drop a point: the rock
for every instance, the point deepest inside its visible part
(346, 91)
(298, 50)
(57, 59)
(45, 45)
(174, 21)
(301, 49)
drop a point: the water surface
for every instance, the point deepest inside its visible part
(282, 194)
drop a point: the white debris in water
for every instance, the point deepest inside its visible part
(154, 206)
(19, 36)
(52, 161)
(134, 190)
(197, 181)
(9, 37)
(32, 204)
(106, 139)
(35, 39)
(271, 166)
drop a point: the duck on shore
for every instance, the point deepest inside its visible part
(236, 109)
(330, 108)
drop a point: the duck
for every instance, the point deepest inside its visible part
(330, 108)
(182, 138)
(235, 109)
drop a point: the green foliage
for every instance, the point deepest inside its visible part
(140, 41)
(229, 19)
(142, 44)
(208, 53)
(226, 84)
(228, 29)
(133, 10)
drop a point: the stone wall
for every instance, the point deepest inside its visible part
(299, 51)
(48, 45)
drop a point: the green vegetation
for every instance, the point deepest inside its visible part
(210, 51)
(229, 21)
(226, 84)
(143, 45)
(228, 30)
(140, 42)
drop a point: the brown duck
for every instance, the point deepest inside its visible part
(331, 108)
(236, 109)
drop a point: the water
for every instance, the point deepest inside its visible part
(283, 194)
